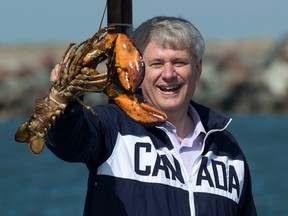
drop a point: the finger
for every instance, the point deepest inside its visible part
(54, 74)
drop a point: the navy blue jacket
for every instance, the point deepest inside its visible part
(134, 170)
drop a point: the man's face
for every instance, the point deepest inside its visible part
(170, 77)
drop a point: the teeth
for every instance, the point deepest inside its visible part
(169, 88)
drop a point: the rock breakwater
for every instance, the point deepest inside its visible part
(237, 76)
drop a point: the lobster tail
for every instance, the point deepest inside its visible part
(37, 145)
(46, 110)
(22, 134)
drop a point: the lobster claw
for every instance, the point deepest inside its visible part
(140, 112)
(129, 64)
(130, 73)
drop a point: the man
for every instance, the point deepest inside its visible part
(190, 165)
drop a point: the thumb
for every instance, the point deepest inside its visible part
(54, 74)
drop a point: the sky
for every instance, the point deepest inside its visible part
(58, 21)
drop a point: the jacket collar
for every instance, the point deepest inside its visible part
(209, 118)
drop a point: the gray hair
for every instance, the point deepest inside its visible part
(172, 32)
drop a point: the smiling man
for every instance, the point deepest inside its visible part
(189, 165)
(170, 81)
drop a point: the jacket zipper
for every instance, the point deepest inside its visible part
(189, 178)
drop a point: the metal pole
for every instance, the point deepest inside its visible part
(119, 13)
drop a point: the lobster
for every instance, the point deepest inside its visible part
(78, 73)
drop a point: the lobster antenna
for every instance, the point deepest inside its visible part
(102, 18)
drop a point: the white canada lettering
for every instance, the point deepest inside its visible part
(161, 164)
(229, 182)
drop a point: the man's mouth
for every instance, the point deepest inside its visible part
(170, 88)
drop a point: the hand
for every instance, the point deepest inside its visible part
(54, 76)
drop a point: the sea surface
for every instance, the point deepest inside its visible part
(44, 185)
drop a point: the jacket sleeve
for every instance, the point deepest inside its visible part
(74, 137)
(246, 204)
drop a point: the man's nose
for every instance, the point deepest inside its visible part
(168, 71)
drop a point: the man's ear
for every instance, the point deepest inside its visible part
(198, 68)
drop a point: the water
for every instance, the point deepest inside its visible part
(37, 185)
(46, 186)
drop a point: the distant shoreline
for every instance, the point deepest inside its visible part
(235, 78)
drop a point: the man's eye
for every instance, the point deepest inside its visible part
(156, 65)
(180, 63)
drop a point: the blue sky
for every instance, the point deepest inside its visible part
(38, 21)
